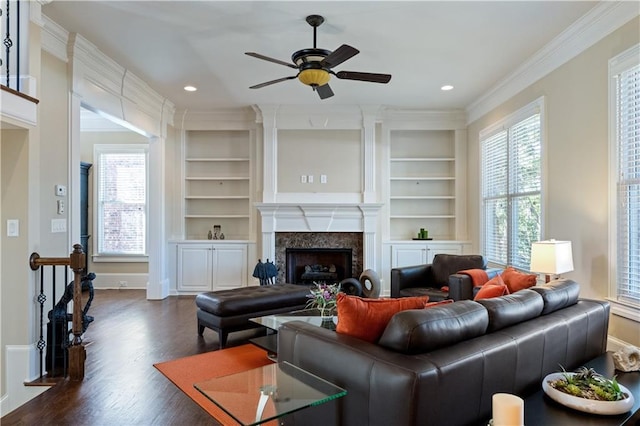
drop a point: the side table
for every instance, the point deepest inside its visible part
(540, 410)
(267, 393)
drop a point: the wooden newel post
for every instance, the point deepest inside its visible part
(77, 354)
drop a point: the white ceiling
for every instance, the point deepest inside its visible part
(423, 44)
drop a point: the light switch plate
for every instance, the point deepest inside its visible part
(58, 225)
(13, 228)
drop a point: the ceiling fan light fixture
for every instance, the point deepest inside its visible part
(314, 77)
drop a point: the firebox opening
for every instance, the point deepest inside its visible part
(309, 265)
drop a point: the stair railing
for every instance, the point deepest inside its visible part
(76, 350)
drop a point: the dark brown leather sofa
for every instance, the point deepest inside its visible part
(428, 279)
(440, 366)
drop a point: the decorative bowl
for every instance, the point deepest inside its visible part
(584, 404)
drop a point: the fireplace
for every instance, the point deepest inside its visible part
(341, 249)
(321, 265)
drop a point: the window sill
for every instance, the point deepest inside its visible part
(625, 310)
(120, 259)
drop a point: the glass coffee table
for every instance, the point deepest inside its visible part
(266, 393)
(272, 322)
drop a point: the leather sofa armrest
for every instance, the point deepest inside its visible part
(460, 287)
(409, 277)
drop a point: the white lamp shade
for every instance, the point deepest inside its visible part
(551, 257)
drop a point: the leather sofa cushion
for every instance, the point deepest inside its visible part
(558, 294)
(424, 330)
(512, 309)
(444, 265)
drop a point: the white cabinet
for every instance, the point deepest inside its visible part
(423, 252)
(208, 267)
(217, 183)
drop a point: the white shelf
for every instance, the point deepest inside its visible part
(216, 159)
(422, 178)
(423, 216)
(217, 216)
(217, 183)
(422, 183)
(422, 197)
(217, 197)
(409, 159)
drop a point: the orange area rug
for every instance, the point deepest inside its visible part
(184, 372)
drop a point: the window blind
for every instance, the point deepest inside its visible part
(511, 191)
(122, 203)
(628, 184)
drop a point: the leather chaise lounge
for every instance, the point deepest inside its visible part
(441, 366)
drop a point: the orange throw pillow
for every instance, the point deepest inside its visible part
(366, 319)
(516, 280)
(441, 302)
(495, 287)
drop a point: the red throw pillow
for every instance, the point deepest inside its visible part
(495, 287)
(516, 280)
(366, 319)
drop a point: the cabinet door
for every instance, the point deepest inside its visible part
(230, 266)
(194, 267)
(442, 249)
(408, 255)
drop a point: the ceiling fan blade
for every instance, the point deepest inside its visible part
(339, 55)
(275, 61)
(324, 91)
(268, 83)
(363, 76)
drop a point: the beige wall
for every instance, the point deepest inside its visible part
(88, 140)
(576, 154)
(335, 153)
(14, 290)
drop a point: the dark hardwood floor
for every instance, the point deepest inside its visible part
(121, 386)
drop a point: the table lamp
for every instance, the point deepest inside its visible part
(551, 257)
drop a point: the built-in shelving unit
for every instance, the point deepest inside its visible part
(422, 183)
(217, 183)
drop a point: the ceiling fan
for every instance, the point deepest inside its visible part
(315, 65)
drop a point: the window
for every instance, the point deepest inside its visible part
(511, 187)
(624, 71)
(121, 200)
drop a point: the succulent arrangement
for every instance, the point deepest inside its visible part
(587, 383)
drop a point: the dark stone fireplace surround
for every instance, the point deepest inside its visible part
(319, 240)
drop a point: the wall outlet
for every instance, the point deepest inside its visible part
(310, 179)
(60, 206)
(123, 283)
(323, 178)
(303, 179)
(61, 190)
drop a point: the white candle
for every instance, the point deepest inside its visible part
(508, 410)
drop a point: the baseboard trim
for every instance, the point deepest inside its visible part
(120, 281)
(614, 344)
(21, 362)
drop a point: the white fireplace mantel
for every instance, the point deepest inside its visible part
(320, 217)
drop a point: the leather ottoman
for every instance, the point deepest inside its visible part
(226, 311)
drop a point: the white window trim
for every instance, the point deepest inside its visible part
(119, 258)
(534, 107)
(617, 64)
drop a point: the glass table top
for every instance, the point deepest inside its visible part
(311, 316)
(267, 393)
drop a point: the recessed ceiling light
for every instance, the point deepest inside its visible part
(446, 87)
(190, 88)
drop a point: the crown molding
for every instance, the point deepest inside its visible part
(424, 119)
(600, 21)
(54, 39)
